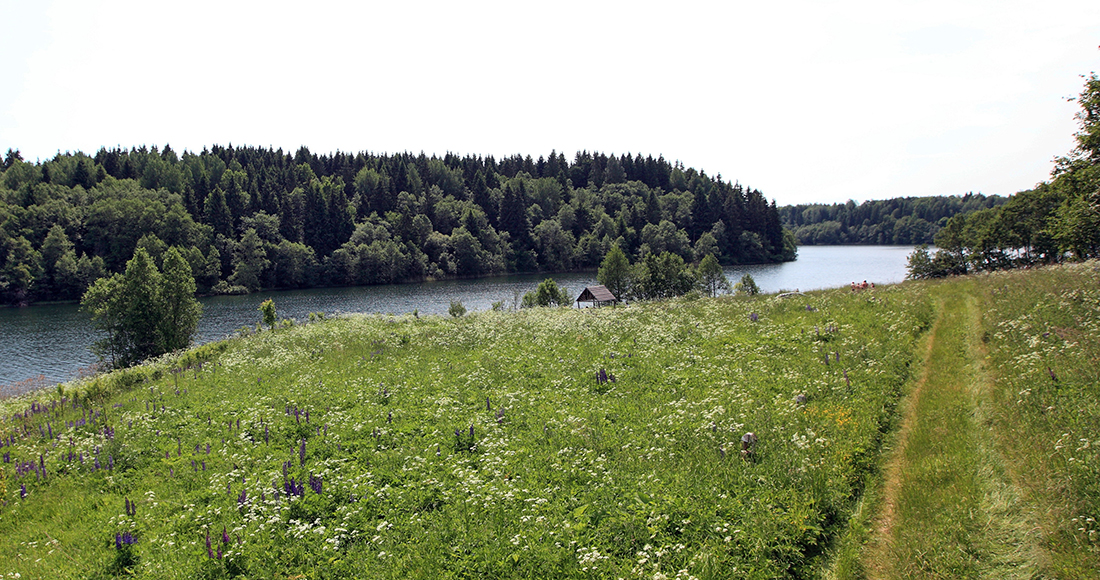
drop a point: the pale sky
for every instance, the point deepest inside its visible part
(807, 101)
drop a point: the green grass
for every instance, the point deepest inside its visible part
(563, 476)
(1042, 332)
(567, 477)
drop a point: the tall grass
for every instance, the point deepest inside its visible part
(1042, 329)
(545, 443)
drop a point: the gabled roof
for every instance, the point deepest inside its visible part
(597, 294)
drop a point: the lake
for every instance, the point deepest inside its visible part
(43, 345)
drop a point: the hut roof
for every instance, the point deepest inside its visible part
(597, 294)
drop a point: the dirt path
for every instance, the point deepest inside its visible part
(949, 508)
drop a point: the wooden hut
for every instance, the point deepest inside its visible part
(598, 295)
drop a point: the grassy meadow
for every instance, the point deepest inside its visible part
(545, 443)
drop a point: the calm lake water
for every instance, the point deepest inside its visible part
(43, 345)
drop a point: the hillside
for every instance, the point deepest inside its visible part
(900, 220)
(249, 218)
(548, 442)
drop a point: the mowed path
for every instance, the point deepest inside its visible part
(949, 508)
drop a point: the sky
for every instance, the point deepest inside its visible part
(807, 101)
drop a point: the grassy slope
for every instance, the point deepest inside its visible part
(563, 477)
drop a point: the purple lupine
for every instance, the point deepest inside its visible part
(754, 316)
(846, 381)
(488, 407)
(1053, 377)
(265, 435)
(243, 498)
(209, 550)
(302, 453)
(208, 449)
(22, 490)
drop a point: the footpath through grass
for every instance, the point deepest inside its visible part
(995, 472)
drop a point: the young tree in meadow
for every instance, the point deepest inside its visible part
(747, 286)
(267, 308)
(711, 279)
(142, 310)
(614, 272)
(181, 311)
(548, 293)
(143, 313)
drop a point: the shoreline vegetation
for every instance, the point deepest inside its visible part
(555, 442)
(247, 218)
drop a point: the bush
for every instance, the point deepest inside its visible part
(747, 286)
(457, 309)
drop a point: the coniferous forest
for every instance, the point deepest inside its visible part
(248, 218)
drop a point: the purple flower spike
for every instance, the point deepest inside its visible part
(22, 491)
(302, 453)
(488, 407)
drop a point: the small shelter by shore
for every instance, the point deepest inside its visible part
(598, 295)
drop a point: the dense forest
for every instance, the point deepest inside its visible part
(249, 218)
(901, 220)
(1058, 220)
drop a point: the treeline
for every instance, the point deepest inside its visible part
(901, 221)
(1056, 221)
(249, 218)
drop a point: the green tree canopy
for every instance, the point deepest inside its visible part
(143, 313)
